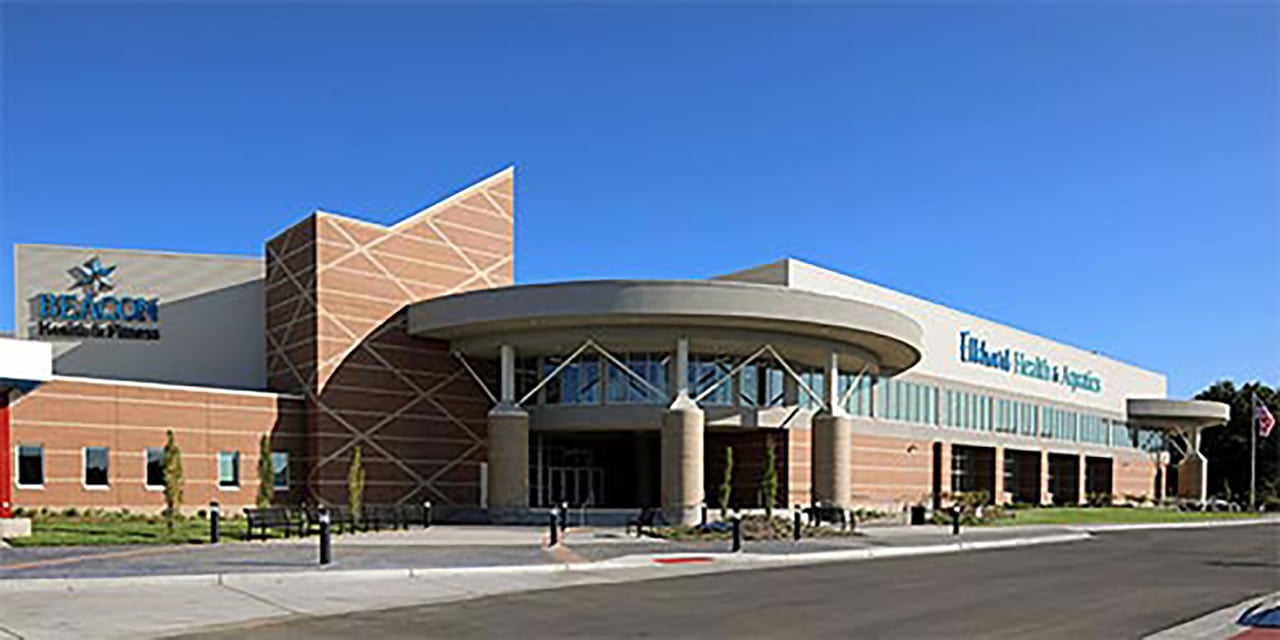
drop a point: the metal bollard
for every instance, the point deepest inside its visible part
(325, 551)
(215, 531)
(426, 514)
(704, 515)
(564, 516)
(553, 522)
(955, 520)
(737, 532)
(795, 524)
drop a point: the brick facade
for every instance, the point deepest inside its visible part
(68, 414)
(337, 289)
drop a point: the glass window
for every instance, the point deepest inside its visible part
(280, 469)
(627, 388)
(228, 469)
(155, 467)
(30, 465)
(96, 461)
(707, 370)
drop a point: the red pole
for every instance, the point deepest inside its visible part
(6, 458)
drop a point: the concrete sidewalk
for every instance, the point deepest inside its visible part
(438, 547)
(150, 606)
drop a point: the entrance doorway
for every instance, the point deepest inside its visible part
(594, 470)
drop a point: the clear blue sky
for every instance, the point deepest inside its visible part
(1102, 175)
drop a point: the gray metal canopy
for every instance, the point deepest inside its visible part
(548, 317)
(1177, 414)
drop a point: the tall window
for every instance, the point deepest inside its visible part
(578, 382)
(280, 470)
(30, 465)
(228, 469)
(96, 462)
(761, 384)
(155, 467)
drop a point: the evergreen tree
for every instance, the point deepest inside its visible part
(266, 473)
(355, 484)
(726, 487)
(769, 483)
(1228, 447)
(173, 481)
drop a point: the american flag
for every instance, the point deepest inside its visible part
(1262, 417)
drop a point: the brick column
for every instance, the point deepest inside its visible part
(1081, 495)
(1000, 489)
(1044, 477)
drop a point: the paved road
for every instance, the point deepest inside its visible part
(1118, 585)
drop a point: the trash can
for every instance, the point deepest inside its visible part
(917, 514)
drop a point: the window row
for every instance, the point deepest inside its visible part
(96, 463)
(906, 401)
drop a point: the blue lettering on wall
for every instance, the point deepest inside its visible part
(974, 350)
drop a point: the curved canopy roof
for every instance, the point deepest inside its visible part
(555, 314)
(1159, 412)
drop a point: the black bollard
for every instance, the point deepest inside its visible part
(426, 515)
(795, 524)
(737, 533)
(564, 516)
(215, 532)
(704, 515)
(325, 552)
(955, 520)
(555, 527)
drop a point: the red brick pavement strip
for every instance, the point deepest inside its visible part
(1258, 633)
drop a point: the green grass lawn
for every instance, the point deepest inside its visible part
(61, 530)
(1112, 515)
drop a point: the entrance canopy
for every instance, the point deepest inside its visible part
(731, 317)
(1177, 415)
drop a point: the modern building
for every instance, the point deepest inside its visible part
(411, 343)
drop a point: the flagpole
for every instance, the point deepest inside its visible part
(1253, 450)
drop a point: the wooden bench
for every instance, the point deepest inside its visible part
(263, 520)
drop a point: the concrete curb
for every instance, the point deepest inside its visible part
(723, 560)
(1151, 526)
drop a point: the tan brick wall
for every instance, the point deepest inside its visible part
(66, 415)
(799, 466)
(1134, 475)
(337, 291)
(889, 472)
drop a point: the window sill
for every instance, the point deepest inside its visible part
(153, 487)
(96, 487)
(222, 488)
(29, 487)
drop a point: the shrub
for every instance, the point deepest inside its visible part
(173, 481)
(355, 484)
(266, 473)
(769, 483)
(726, 486)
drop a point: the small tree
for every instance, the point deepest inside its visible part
(266, 473)
(173, 481)
(770, 481)
(355, 484)
(726, 487)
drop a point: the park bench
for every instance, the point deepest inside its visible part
(380, 516)
(819, 514)
(268, 518)
(340, 520)
(647, 518)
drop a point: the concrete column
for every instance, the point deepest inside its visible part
(1000, 489)
(507, 374)
(832, 452)
(1081, 494)
(682, 462)
(680, 385)
(1044, 478)
(508, 462)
